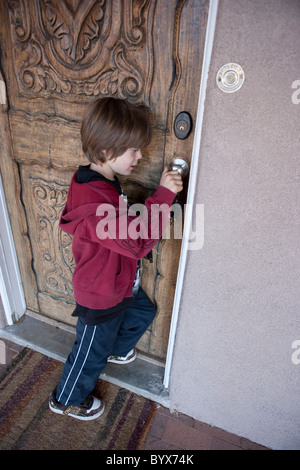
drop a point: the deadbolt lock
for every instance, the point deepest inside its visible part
(183, 125)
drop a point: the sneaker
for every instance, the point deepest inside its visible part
(90, 408)
(131, 356)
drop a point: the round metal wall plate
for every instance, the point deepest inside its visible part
(230, 78)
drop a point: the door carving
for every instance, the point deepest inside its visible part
(58, 55)
(79, 49)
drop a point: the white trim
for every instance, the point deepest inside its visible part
(11, 289)
(210, 33)
(85, 359)
(6, 299)
(71, 370)
(82, 366)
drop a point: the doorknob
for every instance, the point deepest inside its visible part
(183, 125)
(180, 165)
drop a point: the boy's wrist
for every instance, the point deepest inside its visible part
(164, 195)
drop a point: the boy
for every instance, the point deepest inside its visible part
(113, 312)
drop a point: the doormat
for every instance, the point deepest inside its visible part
(27, 423)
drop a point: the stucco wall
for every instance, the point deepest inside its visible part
(239, 314)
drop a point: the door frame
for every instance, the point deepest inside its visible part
(11, 289)
(209, 39)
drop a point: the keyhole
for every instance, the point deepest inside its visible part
(183, 125)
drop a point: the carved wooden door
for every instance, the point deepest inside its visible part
(57, 55)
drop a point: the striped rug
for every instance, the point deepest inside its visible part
(27, 423)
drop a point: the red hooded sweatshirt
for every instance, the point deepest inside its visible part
(105, 246)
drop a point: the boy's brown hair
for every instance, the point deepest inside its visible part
(113, 125)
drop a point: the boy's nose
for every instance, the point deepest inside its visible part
(138, 155)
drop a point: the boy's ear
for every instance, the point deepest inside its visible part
(104, 154)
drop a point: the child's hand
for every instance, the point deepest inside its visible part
(171, 180)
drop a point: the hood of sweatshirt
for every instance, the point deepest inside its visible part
(86, 192)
